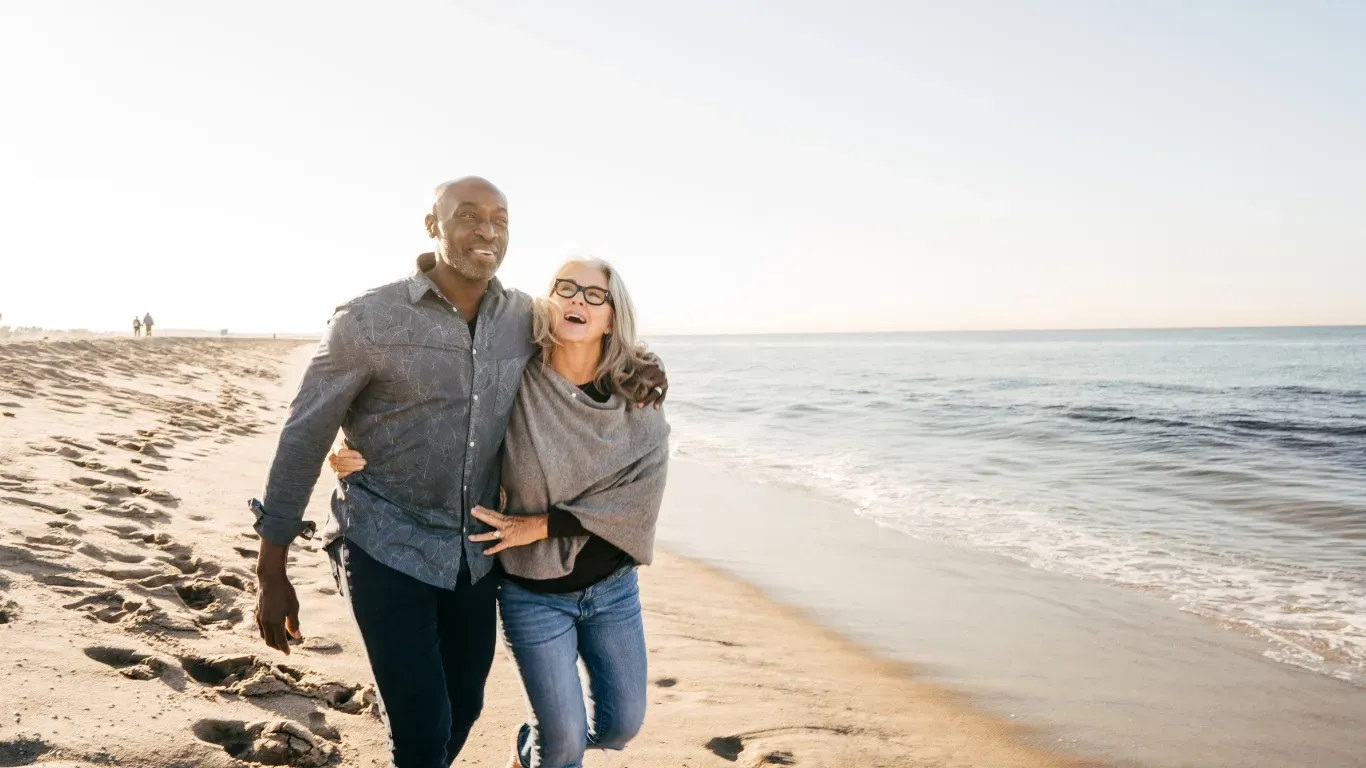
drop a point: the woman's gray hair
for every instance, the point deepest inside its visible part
(623, 354)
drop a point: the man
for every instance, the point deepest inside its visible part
(147, 324)
(137, 327)
(421, 375)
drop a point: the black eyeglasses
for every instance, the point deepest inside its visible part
(568, 289)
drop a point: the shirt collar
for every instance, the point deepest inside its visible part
(419, 283)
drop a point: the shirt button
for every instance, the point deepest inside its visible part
(574, 394)
(471, 443)
(474, 351)
(476, 397)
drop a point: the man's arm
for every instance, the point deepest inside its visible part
(339, 370)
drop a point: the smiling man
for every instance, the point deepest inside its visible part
(421, 375)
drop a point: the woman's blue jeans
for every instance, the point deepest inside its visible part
(547, 635)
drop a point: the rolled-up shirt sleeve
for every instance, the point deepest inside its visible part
(338, 372)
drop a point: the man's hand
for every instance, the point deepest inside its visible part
(653, 382)
(510, 530)
(277, 607)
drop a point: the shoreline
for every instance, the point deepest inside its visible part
(126, 581)
(1116, 675)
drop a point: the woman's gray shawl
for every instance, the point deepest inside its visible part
(604, 463)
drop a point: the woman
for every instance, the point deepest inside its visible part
(583, 475)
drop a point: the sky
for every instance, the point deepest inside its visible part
(749, 167)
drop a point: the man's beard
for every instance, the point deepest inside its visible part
(463, 263)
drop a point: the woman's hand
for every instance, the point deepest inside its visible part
(344, 461)
(510, 530)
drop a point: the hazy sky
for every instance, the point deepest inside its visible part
(779, 166)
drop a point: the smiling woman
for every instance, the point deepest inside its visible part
(589, 300)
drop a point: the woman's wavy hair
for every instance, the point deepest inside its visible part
(623, 354)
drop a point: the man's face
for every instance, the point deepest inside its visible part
(470, 224)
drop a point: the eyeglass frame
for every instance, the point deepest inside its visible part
(581, 289)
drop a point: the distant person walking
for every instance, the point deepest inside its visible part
(137, 327)
(147, 323)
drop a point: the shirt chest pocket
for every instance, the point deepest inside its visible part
(431, 370)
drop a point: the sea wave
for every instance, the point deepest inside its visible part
(1224, 470)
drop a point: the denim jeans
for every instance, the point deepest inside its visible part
(547, 635)
(430, 650)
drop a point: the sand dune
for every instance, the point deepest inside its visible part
(126, 591)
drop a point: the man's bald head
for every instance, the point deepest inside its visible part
(449, 193)
(469, 222)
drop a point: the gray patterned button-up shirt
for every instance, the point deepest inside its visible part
(426, 404)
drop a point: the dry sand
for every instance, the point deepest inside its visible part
(126, 592)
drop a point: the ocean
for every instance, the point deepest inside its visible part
(1224, 470)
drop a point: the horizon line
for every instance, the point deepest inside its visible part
(1103, 329)
(215, 333)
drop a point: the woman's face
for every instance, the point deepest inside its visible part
(579, 319)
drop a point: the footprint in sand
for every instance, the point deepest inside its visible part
(103, 555)
(273, 742)
(130, 574)
(109, 607)
(320, 644)
(237, 582)
(214, 602)
(62, 580)
(129, 510)
(16, 483)
(71, 441)
(317, 723)
(66, 452)
(111, 493)
(23, 749)
(182, 559)
(246, 675)
(129, 663)
(197, 595)
(20, 501)
(150, 465)
(120, 472)
(112, 607)
(53, 540)
(752, 746)
(139, 444)
(137, 533)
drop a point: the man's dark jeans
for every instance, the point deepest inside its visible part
(430, 650)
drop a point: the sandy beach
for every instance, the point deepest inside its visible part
(126, 596)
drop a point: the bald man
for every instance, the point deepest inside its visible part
(420, 375)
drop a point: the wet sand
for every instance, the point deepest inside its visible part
(1107, 672)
